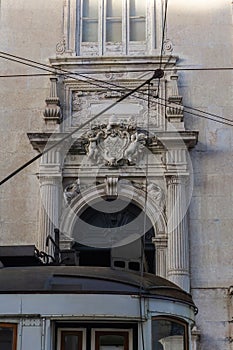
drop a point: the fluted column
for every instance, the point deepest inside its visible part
(178, 250)
(161, 255)
(50, 187)
(50, 193)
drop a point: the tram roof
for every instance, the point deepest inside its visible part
(84, 279)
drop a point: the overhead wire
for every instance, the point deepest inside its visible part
(143, 257)
(146, 179)
(220, 119)
(197, 110)
(178, 68)
(57, 143)
(25, 75)
(96, 82)
(162, 42)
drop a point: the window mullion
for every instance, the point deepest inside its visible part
(102, 26)
(80, 26)
(126, 27)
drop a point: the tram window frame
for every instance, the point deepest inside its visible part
(126, 333)
(91, 330)
(71, 331)
(174, 321)
(13, 327)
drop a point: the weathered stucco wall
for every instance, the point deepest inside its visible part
(30, 29)
(201, 32)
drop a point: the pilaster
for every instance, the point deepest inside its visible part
(50, 188)
(160, 242)
(50, 178)
(178, 252)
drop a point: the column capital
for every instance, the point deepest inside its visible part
(176, 179)
(172, 179)
(160, 241)
(50, 179)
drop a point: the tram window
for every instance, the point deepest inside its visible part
(8, 333)
(71, 340)
(111, 340)
(169, 334)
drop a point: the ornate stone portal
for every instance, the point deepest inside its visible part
(153, 163)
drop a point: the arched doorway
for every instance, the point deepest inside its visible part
(114, 232)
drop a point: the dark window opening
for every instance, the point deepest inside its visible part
(126, 223)
(90, 256)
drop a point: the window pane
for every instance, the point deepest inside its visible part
(114, 8)
(137, 8)
(71, 341)
(90, 21)
(111, 342)
(90, 31)
(90, 8)
(114, 20)
(113, 31)
(168, 335)
(137, 29)
(137, 20)
(6, 338)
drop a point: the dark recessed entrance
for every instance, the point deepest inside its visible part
(115, 221)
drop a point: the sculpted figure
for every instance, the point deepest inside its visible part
(157, 194)
(92, 150)
(135, 148)
(71, 191)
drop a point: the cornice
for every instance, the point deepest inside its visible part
(118, 61)
(158, 141)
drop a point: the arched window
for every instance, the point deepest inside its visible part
(169, 334)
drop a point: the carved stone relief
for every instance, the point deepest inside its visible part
(71, 191)
(115, 143)
(85, 104)
(156, 193)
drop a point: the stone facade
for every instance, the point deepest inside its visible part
(194, 250)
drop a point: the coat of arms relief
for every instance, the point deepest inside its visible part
(115, 144)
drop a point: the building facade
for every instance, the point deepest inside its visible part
(132, 165)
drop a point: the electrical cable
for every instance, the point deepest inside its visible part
(75, 130)
(163, 33)
(25, 75)
(70, 74)
(119, 100)
(162, 43)
(125, 88)
(230, 123)
(143, 258)
(148, 71)
(197, 110)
